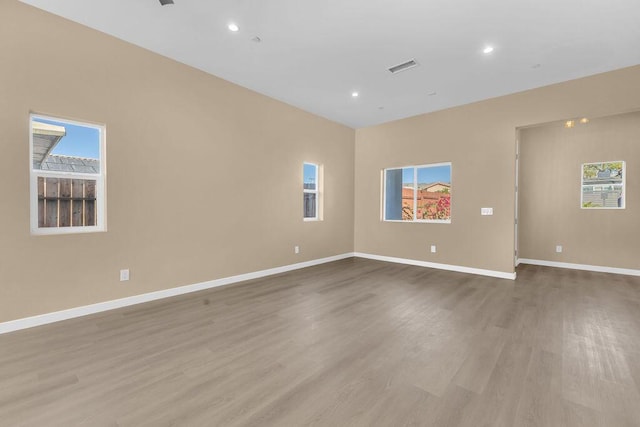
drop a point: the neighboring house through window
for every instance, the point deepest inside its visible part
(418, 193)
(67, 176)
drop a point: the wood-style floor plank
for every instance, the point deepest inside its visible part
(350, 343)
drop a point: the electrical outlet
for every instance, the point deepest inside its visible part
(486, 211)
(433, 249)
(296, 249)
(559, 248)
(124, 275)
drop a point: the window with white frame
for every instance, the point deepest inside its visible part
(311, 191)
(67, 164)
(603, 185)
(417, 193)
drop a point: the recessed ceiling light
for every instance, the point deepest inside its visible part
(233, 27)
(584, 120)
(355, 94)
(569, 124)
(487, 49)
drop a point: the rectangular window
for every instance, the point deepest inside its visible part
(603, 185)
(310, 191)
(418, 193)
(67, 171)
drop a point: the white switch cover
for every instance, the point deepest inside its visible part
(486, 211)
(433, 249)
(296, 249)
(124, 275)
(559, 248)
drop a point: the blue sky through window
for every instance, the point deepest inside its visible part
(435, 174)
(80, 141)
(428, 175)
(309, 172)
(407, 176)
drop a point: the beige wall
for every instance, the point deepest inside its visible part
(479, 139)
(175, 131)
(185, 152)
(549, 205)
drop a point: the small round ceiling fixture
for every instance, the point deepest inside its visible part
(355, 94)
(233, 27)
(487, 50)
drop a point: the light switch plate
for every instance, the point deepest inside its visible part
(486, 211)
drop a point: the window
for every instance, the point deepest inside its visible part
(310, 191)
(603, 185)
(67, 176)
(418, 193)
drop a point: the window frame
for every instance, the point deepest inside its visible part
(415, 193)
(308, 191)
(622, 185)
(100, 178)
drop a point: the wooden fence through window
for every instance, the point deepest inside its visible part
(65, 202)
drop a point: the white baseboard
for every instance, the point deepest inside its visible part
(598, 268)
(30, 322)
(449, 267)
(57, 316)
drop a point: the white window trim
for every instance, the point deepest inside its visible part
(316, 191)
(415, 194)
(101, 194)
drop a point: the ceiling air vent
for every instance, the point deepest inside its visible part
(404, 66)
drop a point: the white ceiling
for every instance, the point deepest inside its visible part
(314, 54)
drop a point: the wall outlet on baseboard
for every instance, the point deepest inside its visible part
(433, 249)
(124, 275)
(559, 248)
(296, 249)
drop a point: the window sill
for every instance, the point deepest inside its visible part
(66, 231)
(420, 221)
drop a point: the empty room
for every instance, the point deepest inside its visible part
(287, 213)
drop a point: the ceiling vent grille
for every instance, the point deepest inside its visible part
(404, 66)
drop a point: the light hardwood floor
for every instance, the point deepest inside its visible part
(355, 342)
